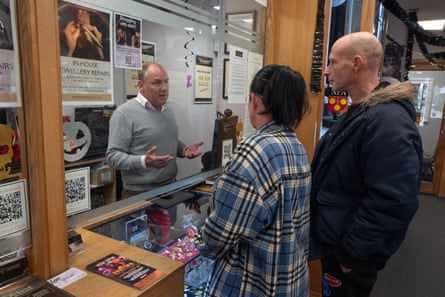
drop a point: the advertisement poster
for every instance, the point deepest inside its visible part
(9, 66)
(127, 45)
(85, 54)
(77, 188)
(203, 79)
(13, 208)
(131, 75)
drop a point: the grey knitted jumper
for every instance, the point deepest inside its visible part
(135, 129)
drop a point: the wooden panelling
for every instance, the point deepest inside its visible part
(41, 92)
(368, 15)
(289, 41)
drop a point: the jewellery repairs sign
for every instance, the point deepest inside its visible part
(85, 54)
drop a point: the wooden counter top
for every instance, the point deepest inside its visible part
(98, 246)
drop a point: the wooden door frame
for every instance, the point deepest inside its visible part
(38, 40)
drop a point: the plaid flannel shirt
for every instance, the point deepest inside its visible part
(258, 230)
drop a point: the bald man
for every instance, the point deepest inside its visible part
(366, 171)
(143, 138)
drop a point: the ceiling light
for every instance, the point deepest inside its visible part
(433, 25)
(217, 7)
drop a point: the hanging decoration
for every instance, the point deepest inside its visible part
(317, 54)
(409, 51)
(422, 36)
(189, 58)
(426, 54)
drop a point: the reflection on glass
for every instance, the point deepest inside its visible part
(429, 108)
(158, 226)
(176, 49)
(10, 158)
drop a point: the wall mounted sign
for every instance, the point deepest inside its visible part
(203, 79)
(77, 188)
(9, 62)
(127, 45)
(14, 208)
(85, 54)
(131, 75)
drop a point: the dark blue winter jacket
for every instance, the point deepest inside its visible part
(366, 176)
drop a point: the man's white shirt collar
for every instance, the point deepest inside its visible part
(145, 103)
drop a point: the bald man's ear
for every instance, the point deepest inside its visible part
(357, 62)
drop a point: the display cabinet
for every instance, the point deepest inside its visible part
(162, 223)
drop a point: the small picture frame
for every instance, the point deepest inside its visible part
(77, 189)
(245, 19)
(226, 79)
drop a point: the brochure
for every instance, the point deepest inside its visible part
(125, 271)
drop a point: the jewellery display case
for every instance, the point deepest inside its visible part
(164, 221)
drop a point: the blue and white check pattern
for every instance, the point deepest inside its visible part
(258, 230)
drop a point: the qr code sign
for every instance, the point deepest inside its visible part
(75, 189)
(227, 148)
(11, 208)
(128, 60)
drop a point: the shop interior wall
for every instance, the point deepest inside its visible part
(195, 121)
(430, 129)
(176, 49)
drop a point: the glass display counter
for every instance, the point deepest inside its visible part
(168, 225)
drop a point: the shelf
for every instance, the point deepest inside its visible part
(84, 162)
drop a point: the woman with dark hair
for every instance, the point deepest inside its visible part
(258, 228)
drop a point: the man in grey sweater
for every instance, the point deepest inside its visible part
(143, 137)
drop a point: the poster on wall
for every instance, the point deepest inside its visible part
(13, 208)
(9, 62)
(77, 187)
(85, 54)
(131, 75)
(203, 79)
(254, 64)
(237, 75)
(127, 45)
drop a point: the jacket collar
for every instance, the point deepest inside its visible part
(404, 91)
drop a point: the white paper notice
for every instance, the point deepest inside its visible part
(237, 75)
(254, 64)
